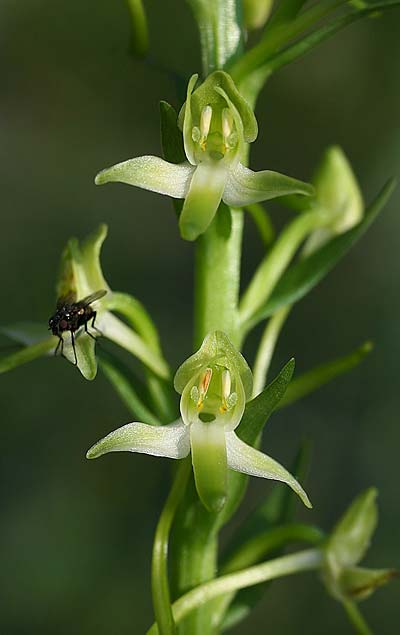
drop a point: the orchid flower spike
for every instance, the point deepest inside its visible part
(214, 384)
(217, 123)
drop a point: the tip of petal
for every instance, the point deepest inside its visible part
(216, 504)
(93, 452)
(189, 231)
(101, 178)
(307, 501)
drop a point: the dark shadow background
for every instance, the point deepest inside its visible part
(75, 537)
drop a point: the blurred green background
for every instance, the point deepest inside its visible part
(76, 536)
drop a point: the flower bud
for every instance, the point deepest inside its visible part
(338, 194)
(347, 545)
(256, 13)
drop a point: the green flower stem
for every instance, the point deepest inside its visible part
(308, 560)
(220, 31)
(262, 221)
(194, 556)
(268, 541)
(356, 618)
(159, 566)
(217, 278)
(258, 548)
(275, 263)
(267, 347)
(277, 37)
(117, 376)
(140, 36)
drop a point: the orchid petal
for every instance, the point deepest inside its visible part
(150, 173)
(244, 458)
(171, 441)
(209, 463)
(245, 187)
(85, 359)
(202, 200)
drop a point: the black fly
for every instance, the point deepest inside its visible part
(71, 315)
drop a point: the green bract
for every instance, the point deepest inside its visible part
(215, 384)
(80, 276)
(347, 545)
(217, 123)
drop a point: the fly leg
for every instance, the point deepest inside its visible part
(73, 348)
(87, 330)
(60, 343)
(94, 315)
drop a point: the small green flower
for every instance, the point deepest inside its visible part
(344, 549)
(80, 276)
(215, 384)
(216, 123)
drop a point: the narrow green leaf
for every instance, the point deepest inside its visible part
(305, 274)
(171, 136)
(27, 354)
(286, 12)
(321, 375)
(27, 333)
(259, 410)
(309, 42)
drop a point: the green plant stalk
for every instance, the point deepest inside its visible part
(275, 263)
(140, 36)
(258, 548)
(308, 560)
(194, 556)
(220, 31)
(356, 618)
(217, 278)
(159, 566)
(266, 348)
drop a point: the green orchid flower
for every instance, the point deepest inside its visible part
(347, 545)
(217, 124)
(81, 276)
(214, 384)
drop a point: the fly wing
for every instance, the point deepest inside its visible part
(69, 298)
(93, 297)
